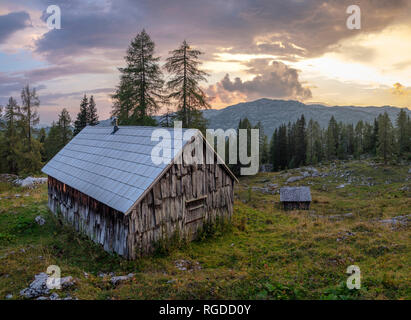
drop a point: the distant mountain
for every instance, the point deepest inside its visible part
(273, 113)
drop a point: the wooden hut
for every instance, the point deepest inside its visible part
(295, 198)
(105, 184)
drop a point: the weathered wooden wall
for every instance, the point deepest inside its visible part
(296, 205)
(181, 201)
(102, 224)
(185, 197)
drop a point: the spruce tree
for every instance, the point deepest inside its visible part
(123, 101)
(52, 144)
(11, 142)
(385, 138)
(402, 134)
(183, 65)
(274, 154)
(359, 139)
(82, 116)
(64, 124)
(92, 117)
(332, 139)
(300, 142)
(141, 84)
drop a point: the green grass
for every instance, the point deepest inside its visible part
(265, 253)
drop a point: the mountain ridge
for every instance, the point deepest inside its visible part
(273, 112)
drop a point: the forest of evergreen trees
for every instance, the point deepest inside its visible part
(24, 148)
(297, 144)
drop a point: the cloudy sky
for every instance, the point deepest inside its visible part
(285, 49)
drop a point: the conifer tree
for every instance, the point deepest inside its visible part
(183, 65)
(385, 146)
(11, 142)
(82, 116)
(29, 160)
(141, 83)
(64, 124)
(402, 134)
(92, 117)
(29, 116)
(332, 139)
(52, 144)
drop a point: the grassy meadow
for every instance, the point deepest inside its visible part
(264, 253)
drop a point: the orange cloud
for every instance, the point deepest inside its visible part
(400, 90)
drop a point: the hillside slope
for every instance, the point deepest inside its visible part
(266, 253)
(273, 113)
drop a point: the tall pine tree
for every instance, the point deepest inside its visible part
(11, 142)
(140, 91)
(82, 116)
(92, 117)
(29, 115)
(183, 65)
(385, 146)
(64, 124)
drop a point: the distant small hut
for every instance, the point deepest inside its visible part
(295, 198)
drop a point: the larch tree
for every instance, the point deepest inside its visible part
(140, 90)
(29, 115)
(183, 87)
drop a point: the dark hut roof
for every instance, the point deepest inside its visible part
(295, 194)
(115, 169)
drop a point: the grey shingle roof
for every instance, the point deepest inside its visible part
(295, 194)
(114, 169)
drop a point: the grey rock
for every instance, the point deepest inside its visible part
(9, 296)
(186, 265)
(42, 298)
(67, 282)
(30, 181)
(37, 288)
(306, 174)
(116, 280)
(294, 179)
(399, 220)
(40, 220)
(54, 296)
(265, 190)
(341, 186)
